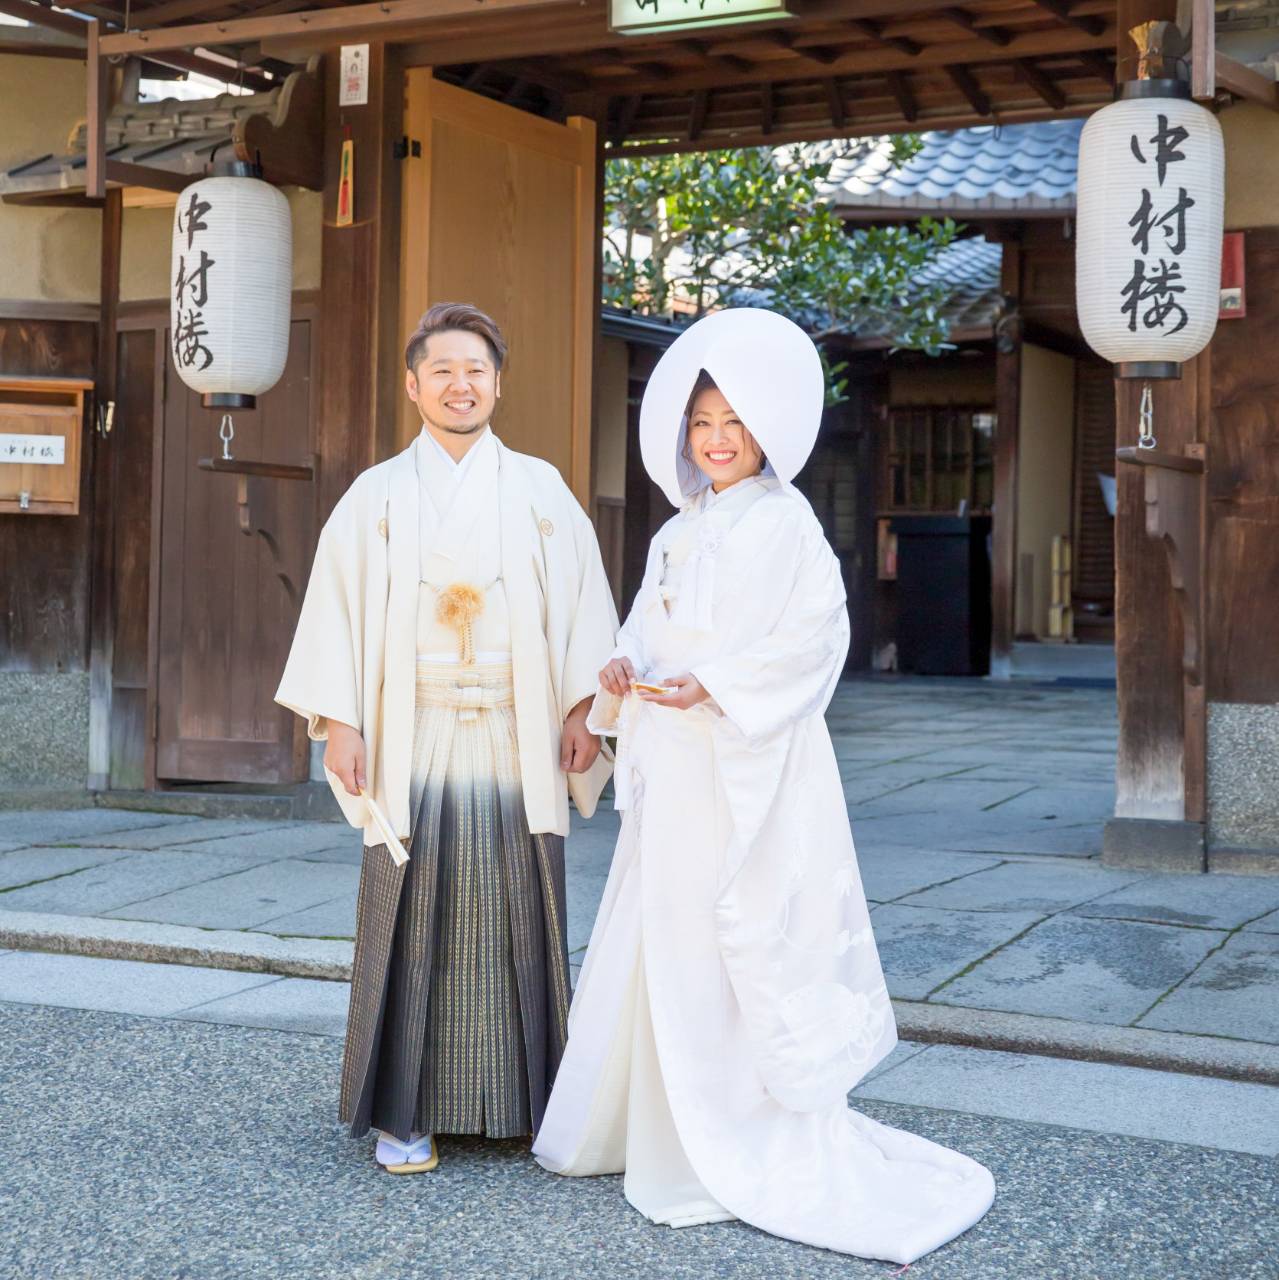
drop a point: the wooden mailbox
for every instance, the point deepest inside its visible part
(41, 426)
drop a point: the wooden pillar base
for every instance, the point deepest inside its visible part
(1150, 844)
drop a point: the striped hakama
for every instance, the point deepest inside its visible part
(474, 1004)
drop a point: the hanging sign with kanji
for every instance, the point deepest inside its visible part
(649, 16)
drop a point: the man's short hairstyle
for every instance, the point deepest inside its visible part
(454, 317)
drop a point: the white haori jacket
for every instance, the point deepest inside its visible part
(354, 652)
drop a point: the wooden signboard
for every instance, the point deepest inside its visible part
(41, 421)
(648, 17)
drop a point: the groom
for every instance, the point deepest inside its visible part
(448, 648)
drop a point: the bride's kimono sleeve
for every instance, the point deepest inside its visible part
(790, 671)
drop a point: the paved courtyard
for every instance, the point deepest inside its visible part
(977, 811)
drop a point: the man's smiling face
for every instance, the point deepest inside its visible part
(455, 384)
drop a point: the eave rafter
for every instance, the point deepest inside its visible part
(964, 80)
(834, 66)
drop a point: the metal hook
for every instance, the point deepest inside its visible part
(226, 433)
(1146, 418)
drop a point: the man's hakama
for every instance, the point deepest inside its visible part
(460, 989)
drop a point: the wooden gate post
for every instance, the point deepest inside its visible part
(1159, 769)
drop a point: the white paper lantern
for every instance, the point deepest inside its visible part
(231, 285)
(1150, 208)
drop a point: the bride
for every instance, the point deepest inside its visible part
(732, 995)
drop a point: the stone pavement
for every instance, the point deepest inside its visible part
(977, 810)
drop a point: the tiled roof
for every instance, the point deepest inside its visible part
(181, 136)
(1003, 170)
(969, 271)
(171, 134)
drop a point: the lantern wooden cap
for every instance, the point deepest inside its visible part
(1161, 50)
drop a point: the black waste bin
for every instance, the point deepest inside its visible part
(943, 594)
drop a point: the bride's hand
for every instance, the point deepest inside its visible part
(685, 691)
(617, 676)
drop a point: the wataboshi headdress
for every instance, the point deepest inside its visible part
(769, 371)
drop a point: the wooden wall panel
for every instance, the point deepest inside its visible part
(1243, 492)
(44, 560)
(500, 211)
(229, 602)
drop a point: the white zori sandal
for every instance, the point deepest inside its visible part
(417, 1156)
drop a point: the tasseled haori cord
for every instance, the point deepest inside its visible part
(458, 607)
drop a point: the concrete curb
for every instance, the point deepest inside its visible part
(177, 944)
(330, 959)
(1089, 1041)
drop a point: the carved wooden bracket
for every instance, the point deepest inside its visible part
(1174, 517)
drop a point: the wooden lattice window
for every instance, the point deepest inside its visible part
(933, 457)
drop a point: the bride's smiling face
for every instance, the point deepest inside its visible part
(718, 441)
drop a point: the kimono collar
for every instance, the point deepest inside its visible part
(453, 504)
(708, 519)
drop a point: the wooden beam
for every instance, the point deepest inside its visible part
(899, 86)
(626, 118)
(783, 40)
(157, 15)
(728, 60)
(875, 62)
(193, 62)
(875, 31)
(102, 566)
(967, 22)
(344, 21)
(560, 81)
(1151, 753)
(1100, 65)
(697, 113)
(1203, 50)
(1244, 82)
(657, 71)
(960, 116)
(1092, 26)
(361, 376)
(1045, 87)
(182, 60)
(42, 16)
(95, 136)
(121, 173)
(767, 108)
(835, 101)
(964, 80)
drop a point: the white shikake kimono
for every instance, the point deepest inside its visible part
(732, 994)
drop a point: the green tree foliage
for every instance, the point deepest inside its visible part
(694, 232)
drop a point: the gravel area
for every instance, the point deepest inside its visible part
(144, 1147)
